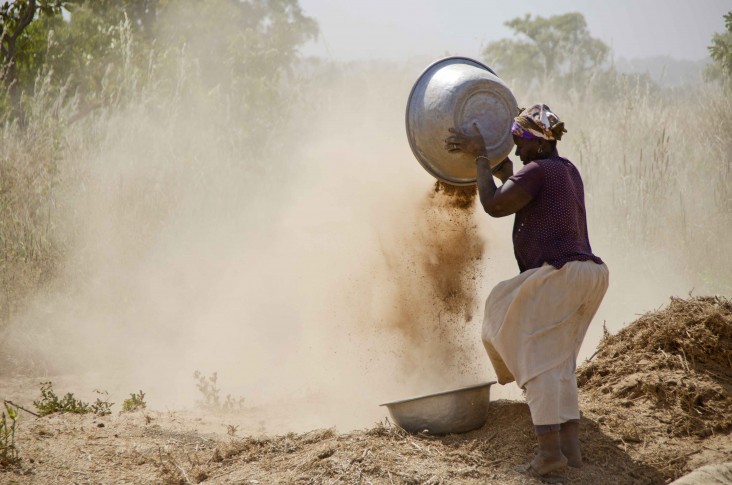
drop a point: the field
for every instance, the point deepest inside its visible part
(287, 240)
(639, 426)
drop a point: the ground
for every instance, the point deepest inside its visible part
(648, 417)
(167, 447)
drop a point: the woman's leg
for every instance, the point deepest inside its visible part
(552, 396)
(569, 439)
(569, 414)
(543, 394)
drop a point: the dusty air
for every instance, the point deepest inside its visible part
(292, 241)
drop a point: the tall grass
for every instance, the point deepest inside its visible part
(90, 189)
(164, 144)
(656, 165)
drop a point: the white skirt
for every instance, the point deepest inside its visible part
(537, 320)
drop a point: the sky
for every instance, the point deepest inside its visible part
(404, 29)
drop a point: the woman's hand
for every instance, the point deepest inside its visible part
(472, 144)
(505, 170)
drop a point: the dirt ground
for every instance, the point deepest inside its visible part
(648, 417)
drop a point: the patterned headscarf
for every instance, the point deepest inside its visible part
(538, 121)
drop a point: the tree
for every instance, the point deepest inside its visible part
(560, 46)
(245, 50)
(258, 37)
(142, 14)
(242, 45)
(721, 53)
(15, 17)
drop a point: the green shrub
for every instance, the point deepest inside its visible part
(207, 386)
(134, 402)
(99, 407)
(8, 451)
(50, 403)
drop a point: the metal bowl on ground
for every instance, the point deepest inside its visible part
(457, 411)
(456, 92)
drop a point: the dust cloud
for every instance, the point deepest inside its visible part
(434, 273)
(318, 279)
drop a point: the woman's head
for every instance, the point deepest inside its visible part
(535, 132)
(529, 150)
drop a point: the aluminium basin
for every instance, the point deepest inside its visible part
(456, 92)
(457, 411)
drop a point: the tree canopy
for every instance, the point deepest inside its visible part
(559, 46)
(234, 44)
(721, 53)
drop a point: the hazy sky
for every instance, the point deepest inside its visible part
(400, 29)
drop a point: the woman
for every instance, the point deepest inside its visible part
(534, 323)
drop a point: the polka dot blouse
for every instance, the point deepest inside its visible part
(552, 228)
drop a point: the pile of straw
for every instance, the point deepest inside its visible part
(671, 370)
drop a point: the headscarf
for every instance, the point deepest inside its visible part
(538, 121)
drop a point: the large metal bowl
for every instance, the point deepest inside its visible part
(456, 92)
(457, 411)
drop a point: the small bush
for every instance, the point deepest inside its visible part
(134, 402)
(99, 407)
(212, 395)
(50, 403)
(8, 451)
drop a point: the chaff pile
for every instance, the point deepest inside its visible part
(671, 369)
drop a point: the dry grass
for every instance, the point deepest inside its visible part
(657, 169)
(656, 165)
(658, 175)
(152, 449)
(655, 405)
(675, 363)
(664, 379)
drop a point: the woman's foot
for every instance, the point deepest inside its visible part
(548, 460)
(547, 477)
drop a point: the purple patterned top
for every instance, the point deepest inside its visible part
(552, 227)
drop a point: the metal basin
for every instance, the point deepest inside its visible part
(457, 92)
(457, 411)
